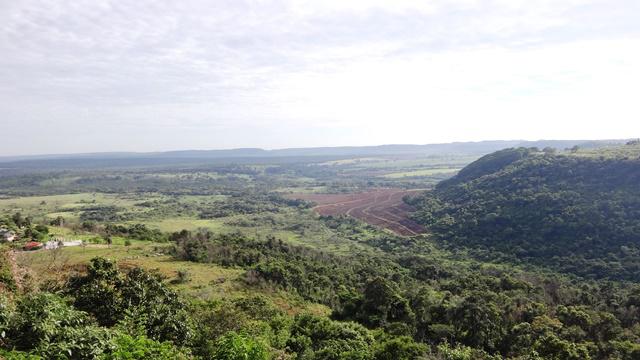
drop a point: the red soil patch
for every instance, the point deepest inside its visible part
(380, 207)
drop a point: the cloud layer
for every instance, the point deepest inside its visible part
(148, 75)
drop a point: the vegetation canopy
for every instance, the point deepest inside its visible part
(524, 254)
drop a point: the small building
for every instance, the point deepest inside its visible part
(72, 243)
(7, 235)
(56, 243)
(52, 244)
(33, 245)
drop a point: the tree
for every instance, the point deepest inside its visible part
(58, 221)
(17, 219)
(107, 238)
(478, 322)
(400, 348)
(98, 292)
(320, 338)
(554, 348)
(44, 323)
(382, 304)
(106, 293)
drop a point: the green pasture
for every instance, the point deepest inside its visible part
(421, 172)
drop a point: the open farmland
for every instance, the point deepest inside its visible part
(380, 207)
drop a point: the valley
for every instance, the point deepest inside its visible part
(317, 258)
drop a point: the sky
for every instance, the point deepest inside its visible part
(101, 75)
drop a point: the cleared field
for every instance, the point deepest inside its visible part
(380, 207)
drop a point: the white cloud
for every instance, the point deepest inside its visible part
(95, 75)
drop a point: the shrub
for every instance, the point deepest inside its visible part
(233, 346)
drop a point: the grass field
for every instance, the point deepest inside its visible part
(413, 163)
(180, 223)
(70, 205)
(421, 172)
(356, 161)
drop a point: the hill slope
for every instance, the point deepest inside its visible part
(577, 212)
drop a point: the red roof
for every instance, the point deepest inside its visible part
(31, 245)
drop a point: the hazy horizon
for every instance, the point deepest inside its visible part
(621, 140)
(109, 76)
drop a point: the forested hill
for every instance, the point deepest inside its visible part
(576, 211)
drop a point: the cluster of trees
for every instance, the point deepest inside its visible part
(104, 314)
(246, 204)
(135, 231)
(46, 326)
(110, 314)
(101, 213)
(400, 299)
(238, 205)
(25, 227)
(48, 183)
(577, 212)
(137, 296)
(186, 179)
(411, 291)
(507, 318)
(313, 274)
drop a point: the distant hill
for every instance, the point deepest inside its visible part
(578, 212)
(250, 154)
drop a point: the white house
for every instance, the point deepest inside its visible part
(56, 243)
(72, 243)
(52, 244)
(7, 235)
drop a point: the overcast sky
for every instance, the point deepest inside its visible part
(99, 75)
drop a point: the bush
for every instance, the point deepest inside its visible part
(400, 348)
(182, 276)
(46, 325)
(106, 293)
(132, 348)
(233, 346)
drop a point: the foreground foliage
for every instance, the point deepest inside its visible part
(402, 300)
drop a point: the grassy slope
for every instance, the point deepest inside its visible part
(207, 281)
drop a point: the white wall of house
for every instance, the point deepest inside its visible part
(72, 243)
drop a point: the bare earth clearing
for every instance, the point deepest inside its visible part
(380, 207)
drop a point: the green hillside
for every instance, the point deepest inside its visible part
(577, 211)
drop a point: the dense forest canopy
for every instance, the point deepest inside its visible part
(576, 211)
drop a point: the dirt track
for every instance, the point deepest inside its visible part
(380, 207)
